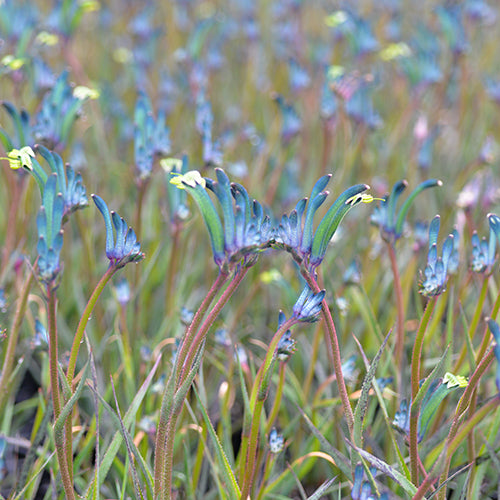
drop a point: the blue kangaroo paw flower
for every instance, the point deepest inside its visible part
(125, 248)
(332, 219)
(195, 184)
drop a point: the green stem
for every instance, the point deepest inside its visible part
(277, 398)
(10, 352)
(195, 335)
(471, 424)
(77, 340)
(337, 361)
(198, 317)
(259, 393)
(415, 384)
(199, 336)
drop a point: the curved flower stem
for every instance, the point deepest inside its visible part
(277, 398)
(77, 339)
(462, 406)
(9, 358)
(337, 361)
(400, 322)
(259, 393)
(84, 319)
(415, 384)
(196, 333)
(198, 317)
(196, 338)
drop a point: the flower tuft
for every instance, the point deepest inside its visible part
(125, 248)
(308, 305)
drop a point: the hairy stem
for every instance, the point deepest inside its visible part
(337, 361)
(415, 384)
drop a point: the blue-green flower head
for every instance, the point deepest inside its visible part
(296, 233)
(60, 108)
(125, 248)
(50, 234)
(286, 346)
(177, 198)
(70, 183)
(308, 305)
(245, 230)
(390, 222)
(151, 135)
(436, 271)
(23, 133)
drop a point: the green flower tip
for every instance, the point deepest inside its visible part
(20, 158)
(192, 179)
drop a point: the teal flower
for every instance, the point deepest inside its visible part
(484, 251)
(385, 217)
(50, 234)
(308, 305)
(436, 271)
(125, 248)
(296, 233)
(151, 135)
(246, 230)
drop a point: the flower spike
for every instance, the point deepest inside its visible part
(436, 271)
(126, 248)
(50, 234)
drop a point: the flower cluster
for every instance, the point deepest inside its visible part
(436, 271)
(483, 251)
(125, 248)
(50, 234)
(246, 229)
(385, 217)
(296, 234)
(61, 106)
(151, 136)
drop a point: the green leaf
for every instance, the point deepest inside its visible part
(231, 484)
(340, 460)
(117, 440)
(360, 410)
(386, 469)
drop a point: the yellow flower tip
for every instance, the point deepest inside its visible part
(335, 71)
(192, 179)
(19, 158)
(82, 93)
(454, 380)
(169, 165)
(90, 5)
(395, 51)
(362, 198)
(273, 275)
(336, 19)
(46, 38)
(12, 62)
(122, 55)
